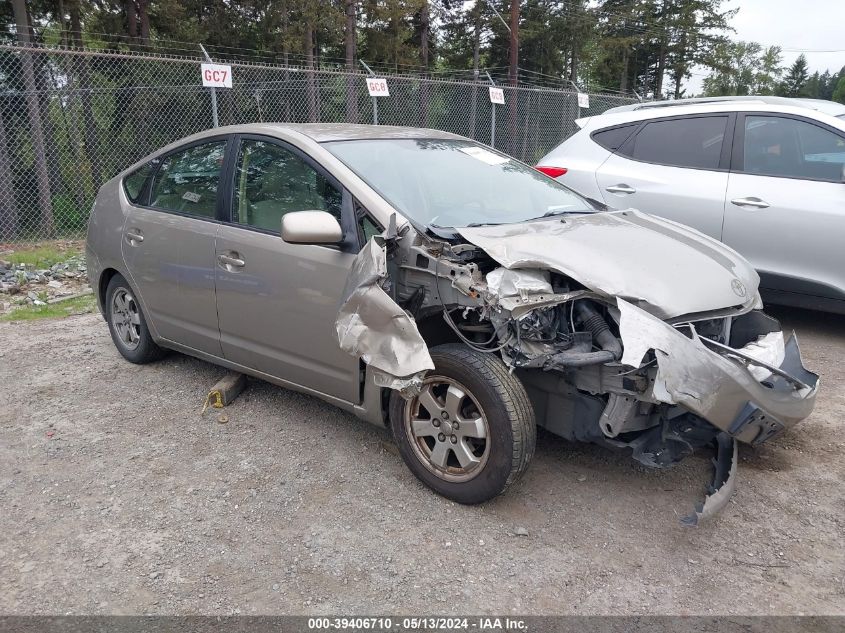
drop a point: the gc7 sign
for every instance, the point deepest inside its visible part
(216, 75)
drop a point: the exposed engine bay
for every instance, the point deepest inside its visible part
(604, 359)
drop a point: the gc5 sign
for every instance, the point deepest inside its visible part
(216, 75)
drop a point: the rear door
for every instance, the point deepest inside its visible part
(674, 167)
(168, 244)
(277, 302)
(785, 205)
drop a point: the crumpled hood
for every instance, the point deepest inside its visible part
(667, 268)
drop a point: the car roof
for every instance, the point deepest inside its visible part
(643, 111)
(732, 100)
(823, 105)
(325, 132)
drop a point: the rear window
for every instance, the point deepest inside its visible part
(689, 142)
(133, 184)
(614, 137)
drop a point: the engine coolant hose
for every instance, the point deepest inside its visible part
(594, 323)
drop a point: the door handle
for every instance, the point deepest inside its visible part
(233, 262)
(621, 188)
(134, 237)
(750, 202)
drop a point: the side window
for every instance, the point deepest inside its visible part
(369, 228)
(688, 142)
(366, 224)
(271, 181)
(187, 180)
(133, 184)
(613, 138)
(779, 146)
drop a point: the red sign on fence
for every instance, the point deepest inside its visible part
(216, 75)
(377, 87)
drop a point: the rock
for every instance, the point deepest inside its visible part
(582, 478)
(155, 574)
(520, 531)
(55, 284)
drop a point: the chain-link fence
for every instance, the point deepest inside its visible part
(71, 119)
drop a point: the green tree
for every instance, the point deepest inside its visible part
(696, 28)
(795, 82)
(839, 92)
(743, 68)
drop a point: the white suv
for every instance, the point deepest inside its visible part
(765, 175)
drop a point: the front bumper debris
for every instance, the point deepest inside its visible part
(724, 481)
(716, 384)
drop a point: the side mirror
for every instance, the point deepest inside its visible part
(311, 227)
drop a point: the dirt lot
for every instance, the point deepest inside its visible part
(117, 497)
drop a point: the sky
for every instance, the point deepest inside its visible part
(804, 25)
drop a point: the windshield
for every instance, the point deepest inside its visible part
(455, 183)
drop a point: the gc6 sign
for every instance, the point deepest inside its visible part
(216, 75)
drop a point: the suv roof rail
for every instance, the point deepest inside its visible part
(671, 103)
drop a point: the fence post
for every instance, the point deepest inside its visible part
(375, 99)
(492, 115)
(213, 91)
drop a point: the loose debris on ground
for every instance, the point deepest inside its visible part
(35, 277)
(117, 497)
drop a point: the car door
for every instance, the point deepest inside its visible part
(676, 168)
(785, 203)
(168, 244)
(277, 302)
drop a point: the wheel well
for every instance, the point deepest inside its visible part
(105, 278)
(434, 331)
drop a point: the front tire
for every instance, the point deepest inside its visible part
(470, 433)
(127, 324)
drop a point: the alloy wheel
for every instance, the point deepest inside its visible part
(126, 318)
(448, 430)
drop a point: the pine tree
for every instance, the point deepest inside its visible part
(839, 92)
(794, 83)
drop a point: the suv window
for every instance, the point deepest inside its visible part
(133, 184)
(613, 138)
(791, 148)
(688, 142)
(187, 180)
(271, 181)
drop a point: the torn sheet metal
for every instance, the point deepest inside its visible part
(502, 282)
(665, 267)
(718, 388)
(372, 326)
(724, 481)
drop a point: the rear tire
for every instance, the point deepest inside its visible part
(470, 434)
(127, 324)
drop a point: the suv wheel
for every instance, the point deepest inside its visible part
(470, 433)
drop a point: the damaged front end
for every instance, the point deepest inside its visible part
(652, 372)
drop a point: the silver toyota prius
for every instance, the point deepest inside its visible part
(429, 283)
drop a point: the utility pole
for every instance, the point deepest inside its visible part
(514, 51)
(513, 70)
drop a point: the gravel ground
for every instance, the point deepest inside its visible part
(116, 497)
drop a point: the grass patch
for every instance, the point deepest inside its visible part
(43, 255)
(77, 305)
